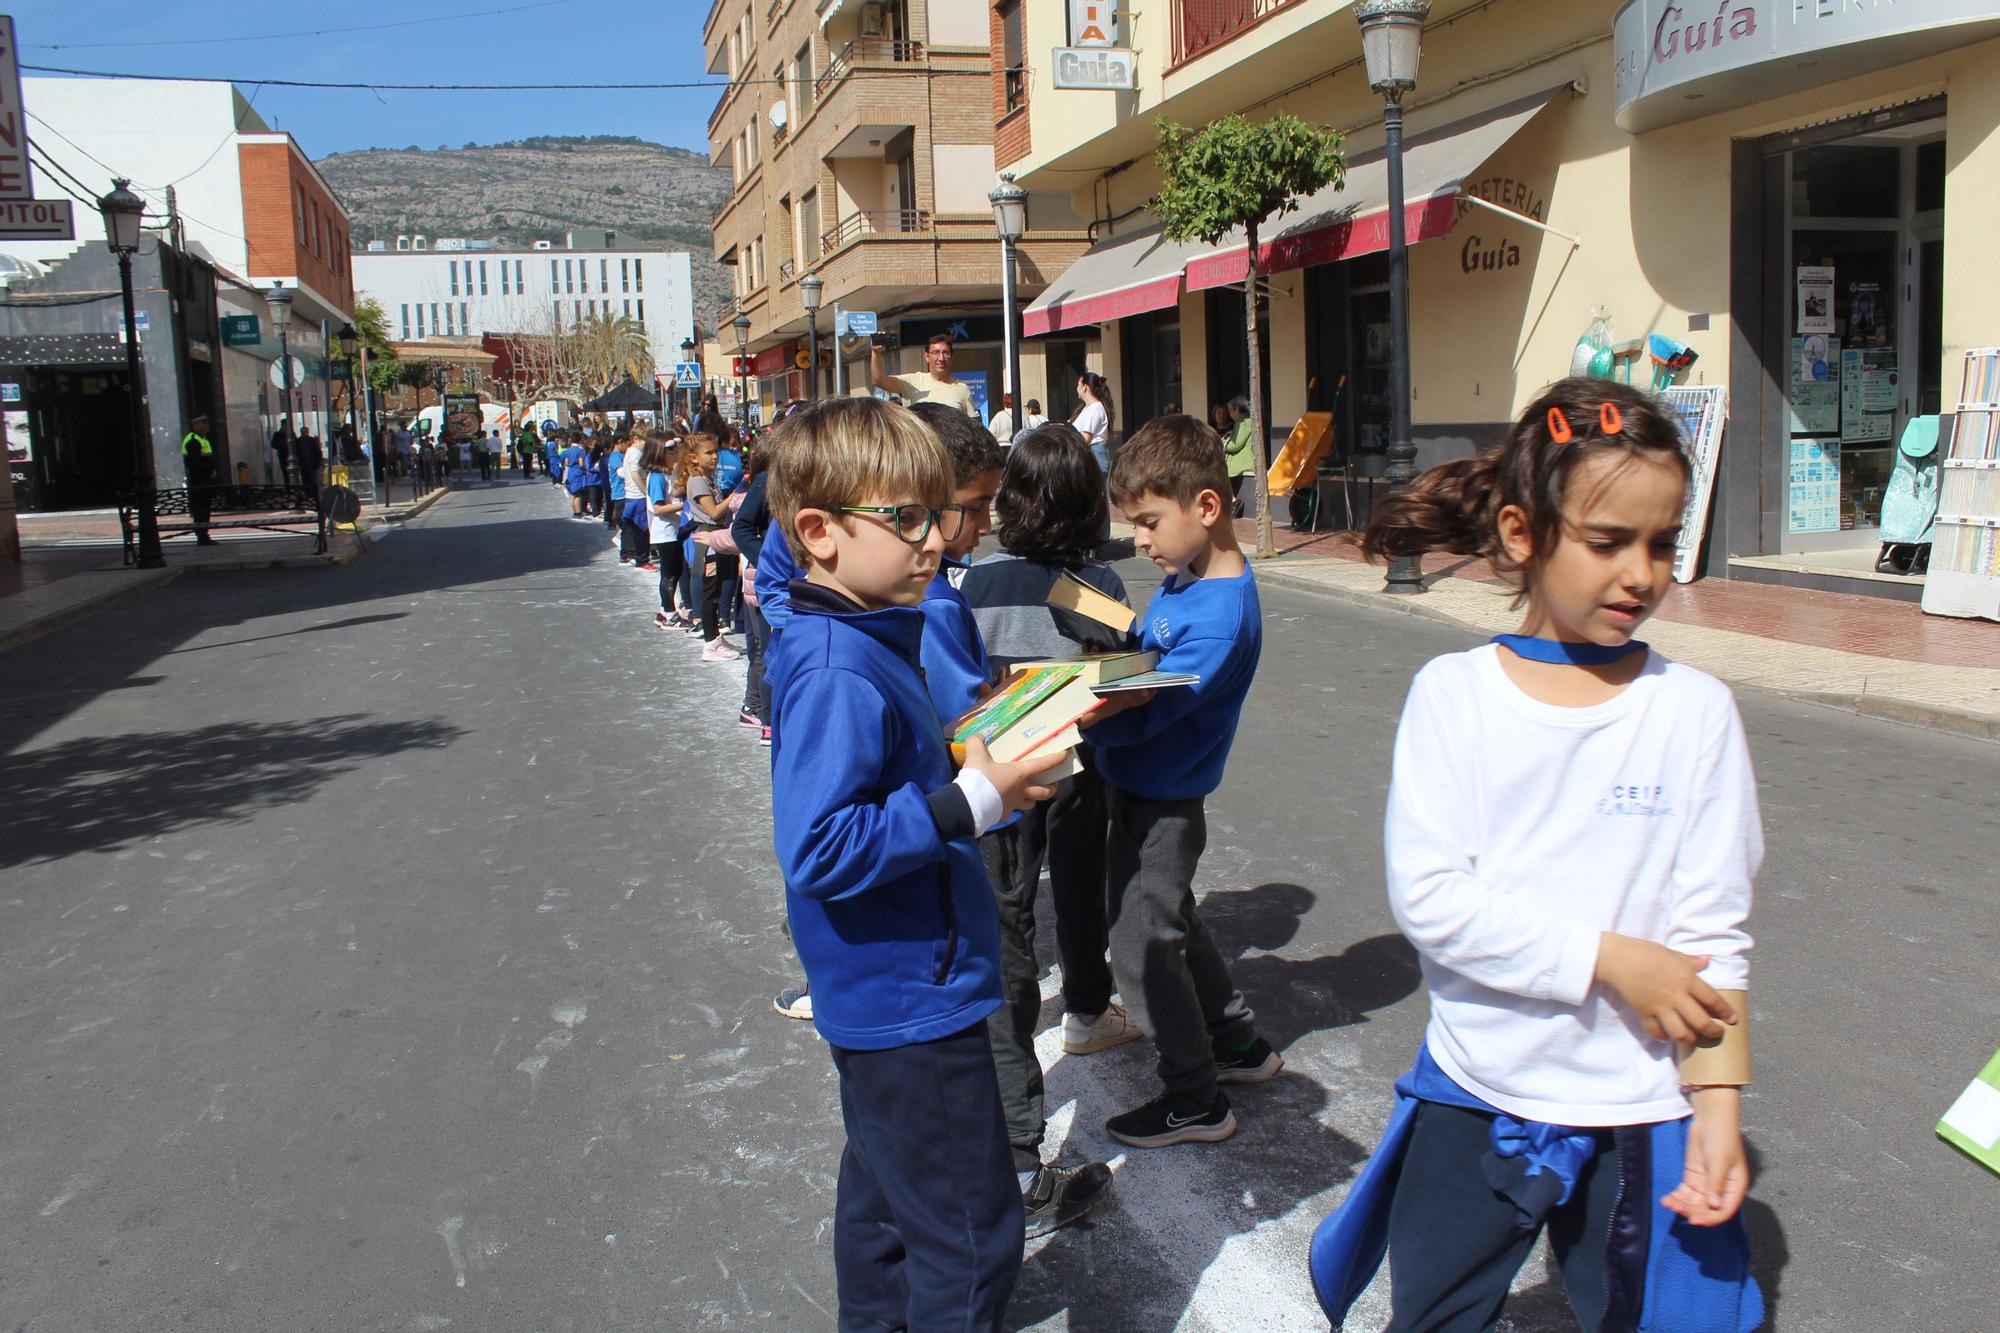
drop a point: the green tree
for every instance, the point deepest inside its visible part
(371, 326)
(610, 348)
(1231, 174)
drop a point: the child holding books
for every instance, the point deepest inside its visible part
(1572, 834)
(1161, 756)
(886, 895)
(955, 669)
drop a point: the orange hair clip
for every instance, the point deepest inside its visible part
(1610, 419)
(1559, 430)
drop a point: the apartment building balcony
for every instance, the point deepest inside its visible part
(1199, 26)
(874, 222)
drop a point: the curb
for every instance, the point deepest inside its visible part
(415, 508)
(55, 620)
(1906, 711)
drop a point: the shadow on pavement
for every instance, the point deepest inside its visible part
(61, 673)
(1135, 1269)
(351, 622)
(101, 793)
(1120, 1272)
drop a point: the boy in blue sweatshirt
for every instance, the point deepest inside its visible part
(956, 670)
(1161, 755)
(888, 901)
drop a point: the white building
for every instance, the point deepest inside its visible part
(470, 293)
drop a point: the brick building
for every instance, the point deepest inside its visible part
(861, 137)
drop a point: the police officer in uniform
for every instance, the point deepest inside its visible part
(200, 457)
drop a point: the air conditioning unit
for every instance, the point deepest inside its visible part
(871, 20)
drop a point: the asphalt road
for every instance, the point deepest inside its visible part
(391, 948)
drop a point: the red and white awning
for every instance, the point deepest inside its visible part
(1130, 275)
(1116, 278)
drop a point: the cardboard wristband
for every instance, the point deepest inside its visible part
(1724, 1062)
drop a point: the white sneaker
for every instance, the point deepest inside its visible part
(1082, 1036)
(720, 651)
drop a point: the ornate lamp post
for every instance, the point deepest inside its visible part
(810, 287)
(742, 326)
(1010, 219)
(1392, 40)
(123, 211)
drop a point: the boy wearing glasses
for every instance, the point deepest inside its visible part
(887, 897)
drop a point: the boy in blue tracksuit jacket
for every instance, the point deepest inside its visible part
(1160, 757)
(888, 901)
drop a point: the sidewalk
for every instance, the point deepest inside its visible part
(1868, 654)
(72, 563)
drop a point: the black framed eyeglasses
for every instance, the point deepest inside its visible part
(913, 522)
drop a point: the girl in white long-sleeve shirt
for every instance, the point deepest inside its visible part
(1572, 833)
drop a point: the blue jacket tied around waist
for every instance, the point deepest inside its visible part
(890, 908)
(1665, 1274)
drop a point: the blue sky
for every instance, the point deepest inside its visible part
(539, 44)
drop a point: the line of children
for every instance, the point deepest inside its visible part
(1572, 834)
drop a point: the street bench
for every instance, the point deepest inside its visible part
(267, 508)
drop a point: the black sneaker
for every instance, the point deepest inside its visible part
(1060, 1195)
(1167, 1120)
(1255, 1063)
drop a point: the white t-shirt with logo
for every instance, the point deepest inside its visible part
(1519, 831)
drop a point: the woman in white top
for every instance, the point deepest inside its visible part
(1572, 833)
(1094, 419)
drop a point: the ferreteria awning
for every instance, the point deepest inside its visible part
(1122, 276)
(1353, 220)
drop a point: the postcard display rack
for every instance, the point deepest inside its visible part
(1964, 578)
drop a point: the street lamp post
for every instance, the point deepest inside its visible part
(742, 326)
(810, 287)
(1392, 40)
(1010, 219)
(279, 301)
(123, 211)
(687, 355)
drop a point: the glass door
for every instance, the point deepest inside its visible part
(1865, 230)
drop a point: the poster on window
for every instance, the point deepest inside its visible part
(1816, 385)
(1815, 284)
(1868, 389)
(1815, 486)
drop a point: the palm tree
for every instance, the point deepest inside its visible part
(614, 347)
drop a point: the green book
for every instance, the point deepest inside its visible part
(1972, 1125)
(1014, 701)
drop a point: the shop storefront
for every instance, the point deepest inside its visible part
(1800, 200)
(1860, 144)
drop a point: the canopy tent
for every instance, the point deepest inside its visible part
(627, 397)
(1130, 275)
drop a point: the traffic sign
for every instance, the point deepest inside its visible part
(687, 375)
(277, 370)
(860, 323)
(240, 331)
(10, 393)
(742, 366)
(37, 220)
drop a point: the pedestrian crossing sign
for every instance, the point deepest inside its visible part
(687, 375)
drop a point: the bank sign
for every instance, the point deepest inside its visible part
(1679, 59)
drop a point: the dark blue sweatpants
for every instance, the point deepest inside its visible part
(927, 1231)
